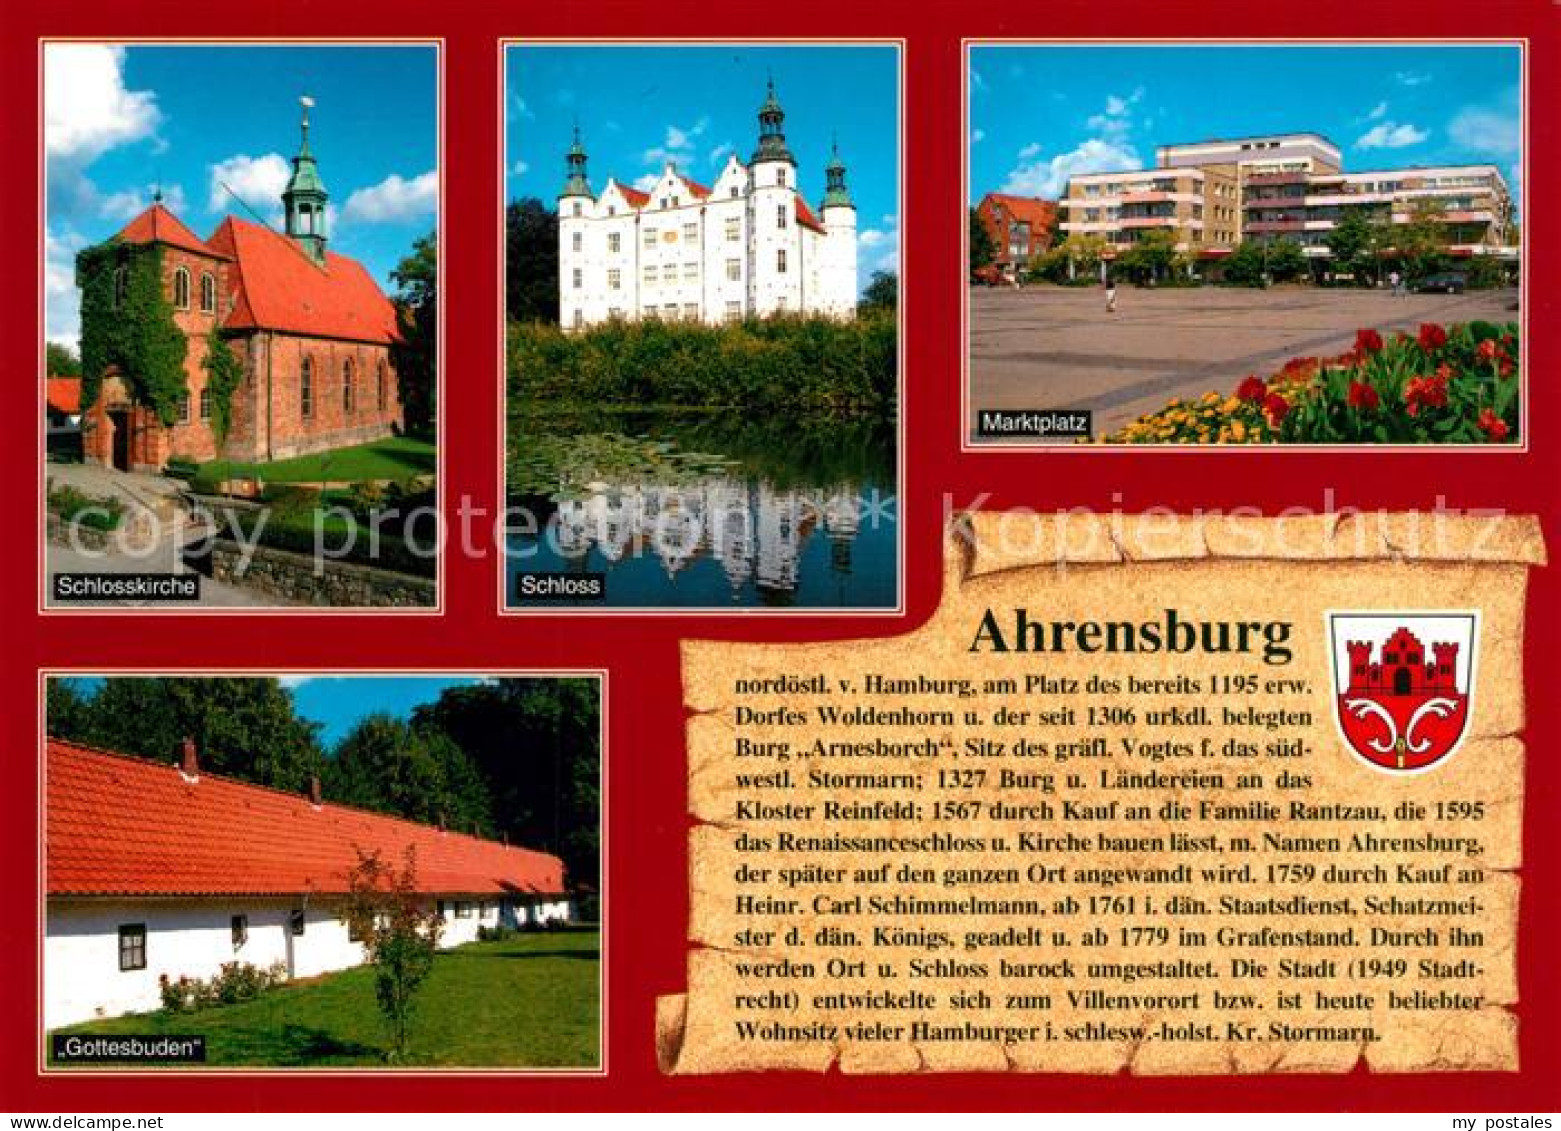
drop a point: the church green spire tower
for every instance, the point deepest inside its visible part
(576, 183)
(835, 192)
(772, 133)
(305, 197)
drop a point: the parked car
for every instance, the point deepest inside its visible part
(1448, 282)
(988, 276)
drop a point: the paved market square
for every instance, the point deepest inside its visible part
(1057, 348)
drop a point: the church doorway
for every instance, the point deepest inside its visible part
(119, 419)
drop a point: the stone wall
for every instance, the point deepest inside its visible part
(294, 578)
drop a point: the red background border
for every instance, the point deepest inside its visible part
(648, 887)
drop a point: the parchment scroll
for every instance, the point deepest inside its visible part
(1027, 837)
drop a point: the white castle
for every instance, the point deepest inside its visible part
(749, 245)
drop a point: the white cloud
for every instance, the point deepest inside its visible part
(521, 169)
(1029, 151)
(1490, 131)
(1378, 111)
(61, 300)
(719, 153)
(646, 181)
(129, 203)
(1391, 135)
(879, 247)
(1116, 120)
(257, 181)
(86, 108)
(977, 137)
(1411, 78)
(1049, 178)
(394, 200)
(678, 145)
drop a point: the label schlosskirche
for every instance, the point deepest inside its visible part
(1150, 846)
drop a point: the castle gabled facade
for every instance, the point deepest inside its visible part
(311, 330)
(748, 245)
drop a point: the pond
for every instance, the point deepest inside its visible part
(705, 510)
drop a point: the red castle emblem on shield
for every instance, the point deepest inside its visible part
(1402, 707)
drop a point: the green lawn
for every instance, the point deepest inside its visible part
(395, 457)
(530, 1001)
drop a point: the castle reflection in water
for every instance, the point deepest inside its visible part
(755, 531)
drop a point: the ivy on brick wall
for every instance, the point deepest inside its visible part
(224, 372)
(127, 322)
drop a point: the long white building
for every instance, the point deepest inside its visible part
(748, 245)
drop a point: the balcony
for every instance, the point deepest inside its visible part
(1147, 222)
(1300, 177)
(1266, 226)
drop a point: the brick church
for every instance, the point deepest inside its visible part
(311, 329)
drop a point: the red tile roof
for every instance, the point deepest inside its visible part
(1025, 209)
(64, 394)
(124, 826)
(158, 225)
(277, 286)
(634, 196)
(699, 190)
(806, 218)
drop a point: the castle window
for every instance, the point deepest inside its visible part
(184, 408)
(208, 293)
(615, 279)
(650, 274)
(578, 210)
(614, 242)
(691, 231)
(735, 191)
(780, 176)
(578, 241)
(121, 284)
(780, 215)
(734, 311)
(348, 391)
(734, 270)
(579, 278)
(306, 389)
(780, 260)
(205, 404)
(734, 229)
(132, 946)
(691, 310)
(690, 272)
(579, 319)
(181, 289)
(649, 239)
(382, 385)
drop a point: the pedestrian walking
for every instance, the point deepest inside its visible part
(1111, 296)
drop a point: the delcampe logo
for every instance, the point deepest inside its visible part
(1401, 684)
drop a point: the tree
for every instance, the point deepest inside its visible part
(243, 727)
(390, 766)
(882, 293)
(536, 744)
(983, 248)
(1244, 266)
(1352, 246)
(417, 316)
(60, 360)
(531, 262)
(1286, 261)
(1151, 257)
(400, 936)
(1421, 243)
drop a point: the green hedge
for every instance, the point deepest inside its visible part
(771, 364)
(293, 528)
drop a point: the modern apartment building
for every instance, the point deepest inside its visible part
(1212, 195)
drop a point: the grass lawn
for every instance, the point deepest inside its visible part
(395, 457)
(530, 1001)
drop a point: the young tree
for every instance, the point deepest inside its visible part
(882, 293)
(983, 248)
(400, 936)
(531, 254)
(1352, 246)
(1286, 261)
(1422, 243)
(417, 315)
(1150, 258)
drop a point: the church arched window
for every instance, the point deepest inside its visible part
(348, 393)
(181, 288)
(306, 389)
(383, 383)
(208, 293)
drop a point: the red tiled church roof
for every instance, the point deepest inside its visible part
(806, 218)
(158, 225)
(277, 286)
(124, 826)
(64, 394)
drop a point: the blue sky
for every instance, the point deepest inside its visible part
(119, 121)
(1040, 114)
(640, 106)
(338, 702)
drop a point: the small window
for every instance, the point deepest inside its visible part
(306, 389)
(205, 404)
(691, 231)
(349, 392)
(121, 285)
(578, 209)
(132, 946)
(463, 910)
(734, 311)
(295, 922)
(184, 408)
(382, 385)
(648, 238)
(181, 288)
(734, 270)
(579, 320)
(440, 907)
(734, 229)
(579, 278)
(691, 310)
(690, 272)
(614, 242)
(780, 176)
(240, 929)
(734, 192)
(578, 241)
(780, 260)
(615, 279)
(780, 215)
(208, 293)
